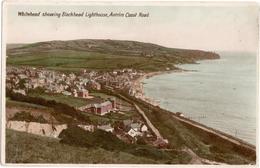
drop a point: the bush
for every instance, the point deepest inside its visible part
(77, 136)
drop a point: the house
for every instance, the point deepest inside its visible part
(133, 133)
(98, 108)
(106, 128)
(144, 128)
(103, 108)
(75, 93)
(82, 93)
(136, 126)
(113, 101)
(90, 128)
(94, 85)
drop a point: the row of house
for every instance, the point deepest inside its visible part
(54, 82)
(131, 129)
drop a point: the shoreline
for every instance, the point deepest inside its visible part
(138, 84)
(155, 102)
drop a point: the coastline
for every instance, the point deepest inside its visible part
(138, 84)
(238, 133)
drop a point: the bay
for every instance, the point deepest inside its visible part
(218, 93)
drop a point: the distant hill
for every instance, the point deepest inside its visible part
(12, 46)
(107, 50)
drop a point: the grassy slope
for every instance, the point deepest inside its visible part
(28, 148)
(69, 100)
(104, 55)
(66, 60)
(13, 103)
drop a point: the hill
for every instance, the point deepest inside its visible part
(38, 149)
(75, 55)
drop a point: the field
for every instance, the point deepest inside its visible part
(101, 55)
(69, 100)
(74, 61)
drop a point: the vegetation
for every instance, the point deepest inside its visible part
(25, 116)
(13, 103)
(27, 148)
(69, 100)
(106, 140)
(79, 146)
(102, 55)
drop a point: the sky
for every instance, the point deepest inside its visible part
(207, 27)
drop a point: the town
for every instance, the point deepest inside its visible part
(22, 80)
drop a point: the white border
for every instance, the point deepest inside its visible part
(113, 3)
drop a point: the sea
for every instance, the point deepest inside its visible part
(218, 93)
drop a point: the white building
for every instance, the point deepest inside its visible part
(134, 133)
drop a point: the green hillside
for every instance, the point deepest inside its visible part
(104, 55)
(36, 149)
(27, 148)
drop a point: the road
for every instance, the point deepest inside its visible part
(230, 139)
(148, 122)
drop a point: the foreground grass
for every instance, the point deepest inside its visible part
(28, 148)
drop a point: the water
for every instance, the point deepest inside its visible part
(220, 94)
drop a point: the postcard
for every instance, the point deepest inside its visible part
(129, 83)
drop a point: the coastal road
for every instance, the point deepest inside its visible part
(148, 122)
(150, 125)
(230, 139)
